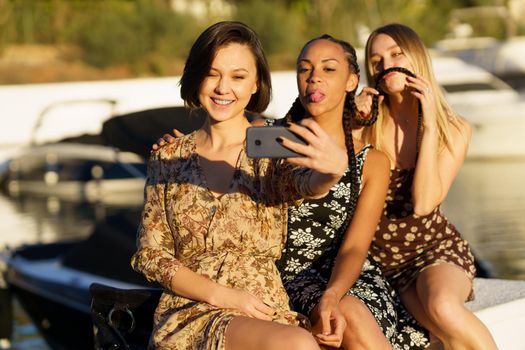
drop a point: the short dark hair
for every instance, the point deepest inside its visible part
(203, 52)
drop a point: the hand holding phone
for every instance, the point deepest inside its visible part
(262, 142)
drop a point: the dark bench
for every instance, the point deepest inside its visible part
(122, 318)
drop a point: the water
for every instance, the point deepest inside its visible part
(42, 220)
(26, 335)
(486, 203)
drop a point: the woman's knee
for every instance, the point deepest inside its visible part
(445, 310)
(362, 330)
(302, 339)
(353, 309)
(294, 338)
(358, 317)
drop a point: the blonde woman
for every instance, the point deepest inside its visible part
(422, 254)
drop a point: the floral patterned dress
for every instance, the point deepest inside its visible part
(315, 233)
(406, 244)
(233, 239)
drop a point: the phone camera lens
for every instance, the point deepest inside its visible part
(258, 142)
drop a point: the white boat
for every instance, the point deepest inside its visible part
(108, 167)
(502, 58)
(77, 172)
(80, 168)
(51, 281)
(495, 110)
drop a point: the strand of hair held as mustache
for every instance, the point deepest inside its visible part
(375, 104)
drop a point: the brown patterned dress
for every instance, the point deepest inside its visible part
(233, 239)
(406, 244)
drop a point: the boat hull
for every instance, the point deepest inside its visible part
(56, 297)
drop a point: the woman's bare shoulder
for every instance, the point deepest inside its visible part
(377, 161)
(376, 156)
(461, 130)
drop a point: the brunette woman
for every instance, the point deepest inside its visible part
(214, 221)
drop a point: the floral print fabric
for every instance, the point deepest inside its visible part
(315, 234)
(405, 244)
(233, 239)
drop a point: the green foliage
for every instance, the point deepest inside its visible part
(128, 32)
(278, 29)
(281, 31)
(149, 37)
(144, 34)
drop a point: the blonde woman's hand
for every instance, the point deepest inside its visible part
(321, 153)
(422, 90)
(166, 139)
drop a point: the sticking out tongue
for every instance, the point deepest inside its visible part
(316, 96)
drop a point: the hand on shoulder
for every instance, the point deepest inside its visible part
(166, 139)
(164, 150)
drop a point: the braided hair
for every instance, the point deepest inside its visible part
(297, 112)
(375, 104)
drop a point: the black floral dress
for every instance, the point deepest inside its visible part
(315, 232)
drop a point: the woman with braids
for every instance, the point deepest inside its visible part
(214, 220)
(348, 300)
(325, 265)
(420, 252)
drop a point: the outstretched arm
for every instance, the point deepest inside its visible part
(167, 139)
(321, 154)
(327, 160)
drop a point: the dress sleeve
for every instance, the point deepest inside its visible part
(291, 182)
(155, 255)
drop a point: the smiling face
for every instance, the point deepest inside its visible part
(232, 80)
(324, 77)
(385, 53)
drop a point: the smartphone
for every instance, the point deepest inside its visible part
(261, 142)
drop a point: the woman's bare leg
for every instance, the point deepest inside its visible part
(362, 331)
(410, 299)
(441, 294)
(249, 333)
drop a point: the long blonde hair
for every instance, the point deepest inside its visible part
(417, 54)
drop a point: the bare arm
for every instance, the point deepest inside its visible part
(327, 160)
(322, 154)
(435, 171)
(361, 229)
